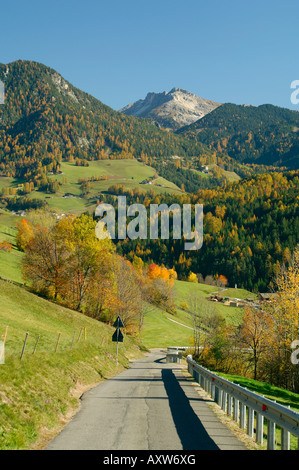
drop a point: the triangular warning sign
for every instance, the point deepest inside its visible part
(118, 323)
(117, 336)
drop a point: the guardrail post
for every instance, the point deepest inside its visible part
(224, 401)
(259, 428)
(230, 405)
(242, 416)
(250, 422)
(201, 381)
(210, 386)
(206, 384)
(220, 394)
(213, 391)
(285, 439)
(271, 435)
(236, 410)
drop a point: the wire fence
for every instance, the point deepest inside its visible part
(51, 344)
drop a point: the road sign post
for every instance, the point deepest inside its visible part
(117, 336)
(118, 323)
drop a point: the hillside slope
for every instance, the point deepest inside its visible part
(250, 227)
(265, 134)
(41, 391)
(45, 119)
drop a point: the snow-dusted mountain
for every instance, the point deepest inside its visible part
(173, 109)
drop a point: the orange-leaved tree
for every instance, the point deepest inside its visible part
(160, 285)
(24, 234)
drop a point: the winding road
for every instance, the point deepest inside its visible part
(153, 405)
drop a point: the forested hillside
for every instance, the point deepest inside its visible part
(263, 134)
(45, 120)
(250, 228)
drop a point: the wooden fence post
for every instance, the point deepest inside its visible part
(57, 341)
(36, 344)
(80, 334)
(4, 336)
(24, 345)
(73, 338)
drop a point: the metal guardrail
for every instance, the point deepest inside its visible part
(248, 408)
(174, 353)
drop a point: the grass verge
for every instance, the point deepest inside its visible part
(280, 395)
(40, 390)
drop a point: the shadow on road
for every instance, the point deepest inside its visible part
(160, 360)
(190, 430)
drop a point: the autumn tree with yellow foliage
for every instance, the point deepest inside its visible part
(159, 287)
(70, 265)
(284, 309)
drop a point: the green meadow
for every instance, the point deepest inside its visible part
(129, 173)
(69, 199)
(10, 262)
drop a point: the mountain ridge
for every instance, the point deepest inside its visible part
(263, 135)
(45, 119)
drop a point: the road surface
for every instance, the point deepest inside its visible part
(151, 406)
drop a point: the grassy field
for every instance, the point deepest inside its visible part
(184, 291)
(129, 173)
(230, 175)
(6, 182)
(41, 389)
(162, 329)
(10, 262)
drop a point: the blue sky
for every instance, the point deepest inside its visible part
(229, 51)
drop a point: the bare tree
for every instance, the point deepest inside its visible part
(196, 311)
(129, 305)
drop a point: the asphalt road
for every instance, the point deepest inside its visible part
(151, 406)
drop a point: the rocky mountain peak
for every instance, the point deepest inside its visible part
(172, 110)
